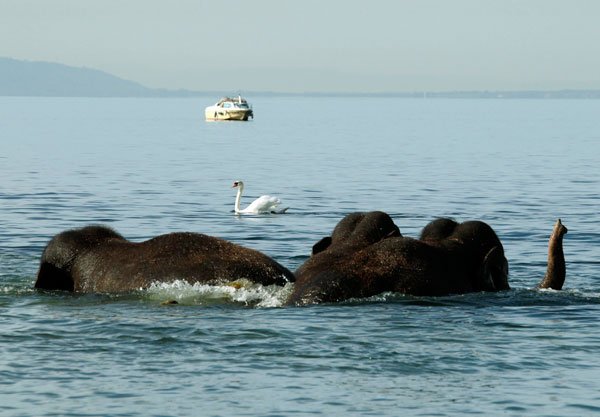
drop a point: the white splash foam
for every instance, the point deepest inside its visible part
(16, 290)
(241, 291)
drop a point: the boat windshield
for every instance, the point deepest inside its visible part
(228, 102)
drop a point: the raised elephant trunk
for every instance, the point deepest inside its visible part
(555, 274)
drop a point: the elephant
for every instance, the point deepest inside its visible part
(367, 255)
(98, 259)
(444, 228)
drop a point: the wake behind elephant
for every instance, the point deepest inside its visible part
(98, 259)
(367, 255)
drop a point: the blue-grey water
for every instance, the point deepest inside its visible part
(151, 166)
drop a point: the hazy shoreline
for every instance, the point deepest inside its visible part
(48, 79)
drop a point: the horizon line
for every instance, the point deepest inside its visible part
(425, 94)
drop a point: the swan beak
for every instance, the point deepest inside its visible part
(234, 185)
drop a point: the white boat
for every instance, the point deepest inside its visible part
(229, 108)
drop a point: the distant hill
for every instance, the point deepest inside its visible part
(29, 78)
(26, 78)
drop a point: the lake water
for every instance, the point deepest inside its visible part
(151, 166)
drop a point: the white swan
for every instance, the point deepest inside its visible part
(263, 204)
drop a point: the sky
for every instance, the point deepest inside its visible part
(315, 46)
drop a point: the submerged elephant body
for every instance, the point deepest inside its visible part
(367, 255)
(98, 259)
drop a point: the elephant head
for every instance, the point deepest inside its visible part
(62, 251)
(438, 229)
(358, 230)
(327, 275)
(482, 250)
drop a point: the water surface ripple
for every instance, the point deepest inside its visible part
(152, 166)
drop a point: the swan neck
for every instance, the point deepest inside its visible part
(238, 198)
